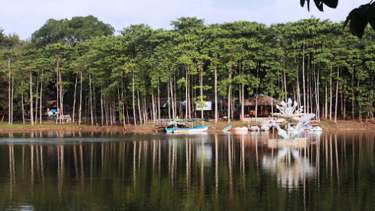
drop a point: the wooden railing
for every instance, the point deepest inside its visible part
(159, 122)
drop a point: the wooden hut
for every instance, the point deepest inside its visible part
(260, 106)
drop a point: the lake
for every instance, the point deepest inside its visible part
(107, 171)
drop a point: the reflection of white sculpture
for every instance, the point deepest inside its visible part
(289, 166)
(291, 113)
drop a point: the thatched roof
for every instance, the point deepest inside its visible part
(262, 100)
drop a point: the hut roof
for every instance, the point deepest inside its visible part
(262, 100)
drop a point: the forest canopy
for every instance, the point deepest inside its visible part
(146, 74)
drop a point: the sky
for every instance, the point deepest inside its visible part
(23, 17)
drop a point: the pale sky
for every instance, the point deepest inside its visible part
(23, 17)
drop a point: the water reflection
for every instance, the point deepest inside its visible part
(290, 166)
(174, 172)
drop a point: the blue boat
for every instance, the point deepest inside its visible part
(200, 128)
(226, 129)
(177, 126)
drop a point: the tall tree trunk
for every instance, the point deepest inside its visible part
(94, 103)
(188, 103)
(90, 98)
(41, 100)
(298, 88)
(285, 90)
(256, 94)
(172, 97)
(127, 113)
(12, 101)
(168, 99)
(9, 95)
(186, 95)
(105, 111)
(326, 101)
(344, 104)
(337, 94)
(201, 90)
(342, 100)
(74, 98)
(134, 119)
(57, 89)
(330, 95)
(242, 95)
(80, 103)
(36, 99)
(101, 105)
(139, 109)
(307, 108)
(22, 105)
(303, 75)
(353, 96)
(159, 115)
(317, 97)
(61, 98)
(110, 114)
(216, 100)
(31, 99)
(229, 91)
(359, 102)
(123, 103)
(119, 102)
(153, 106)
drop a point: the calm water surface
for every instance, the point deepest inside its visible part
(92, 171)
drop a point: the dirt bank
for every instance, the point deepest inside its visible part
(145, 129)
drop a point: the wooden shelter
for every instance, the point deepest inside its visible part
(265, 102)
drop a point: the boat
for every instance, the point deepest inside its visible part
(173, 124)
(243, 129)
(168, 130)
(254, 128)
(265, 127)
(226, 129)
(200, 128)
(316, 128)
(179, 126)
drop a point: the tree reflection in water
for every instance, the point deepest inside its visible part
(175, 172)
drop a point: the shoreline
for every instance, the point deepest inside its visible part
(150, 129)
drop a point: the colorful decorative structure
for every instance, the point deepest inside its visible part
(292, 113)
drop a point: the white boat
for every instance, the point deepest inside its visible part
(243, 129)
(179, 126)
(200, 128)
(316, 128)
(254, 128)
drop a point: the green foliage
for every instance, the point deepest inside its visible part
(268, 60)
(71, 31)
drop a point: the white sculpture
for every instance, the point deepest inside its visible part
(291, 113)
(282, 133)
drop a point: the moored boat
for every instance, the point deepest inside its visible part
(316, 128)
(226, 129)
(180, 126)
(200, 128)
(243, 129)
(254, 128)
